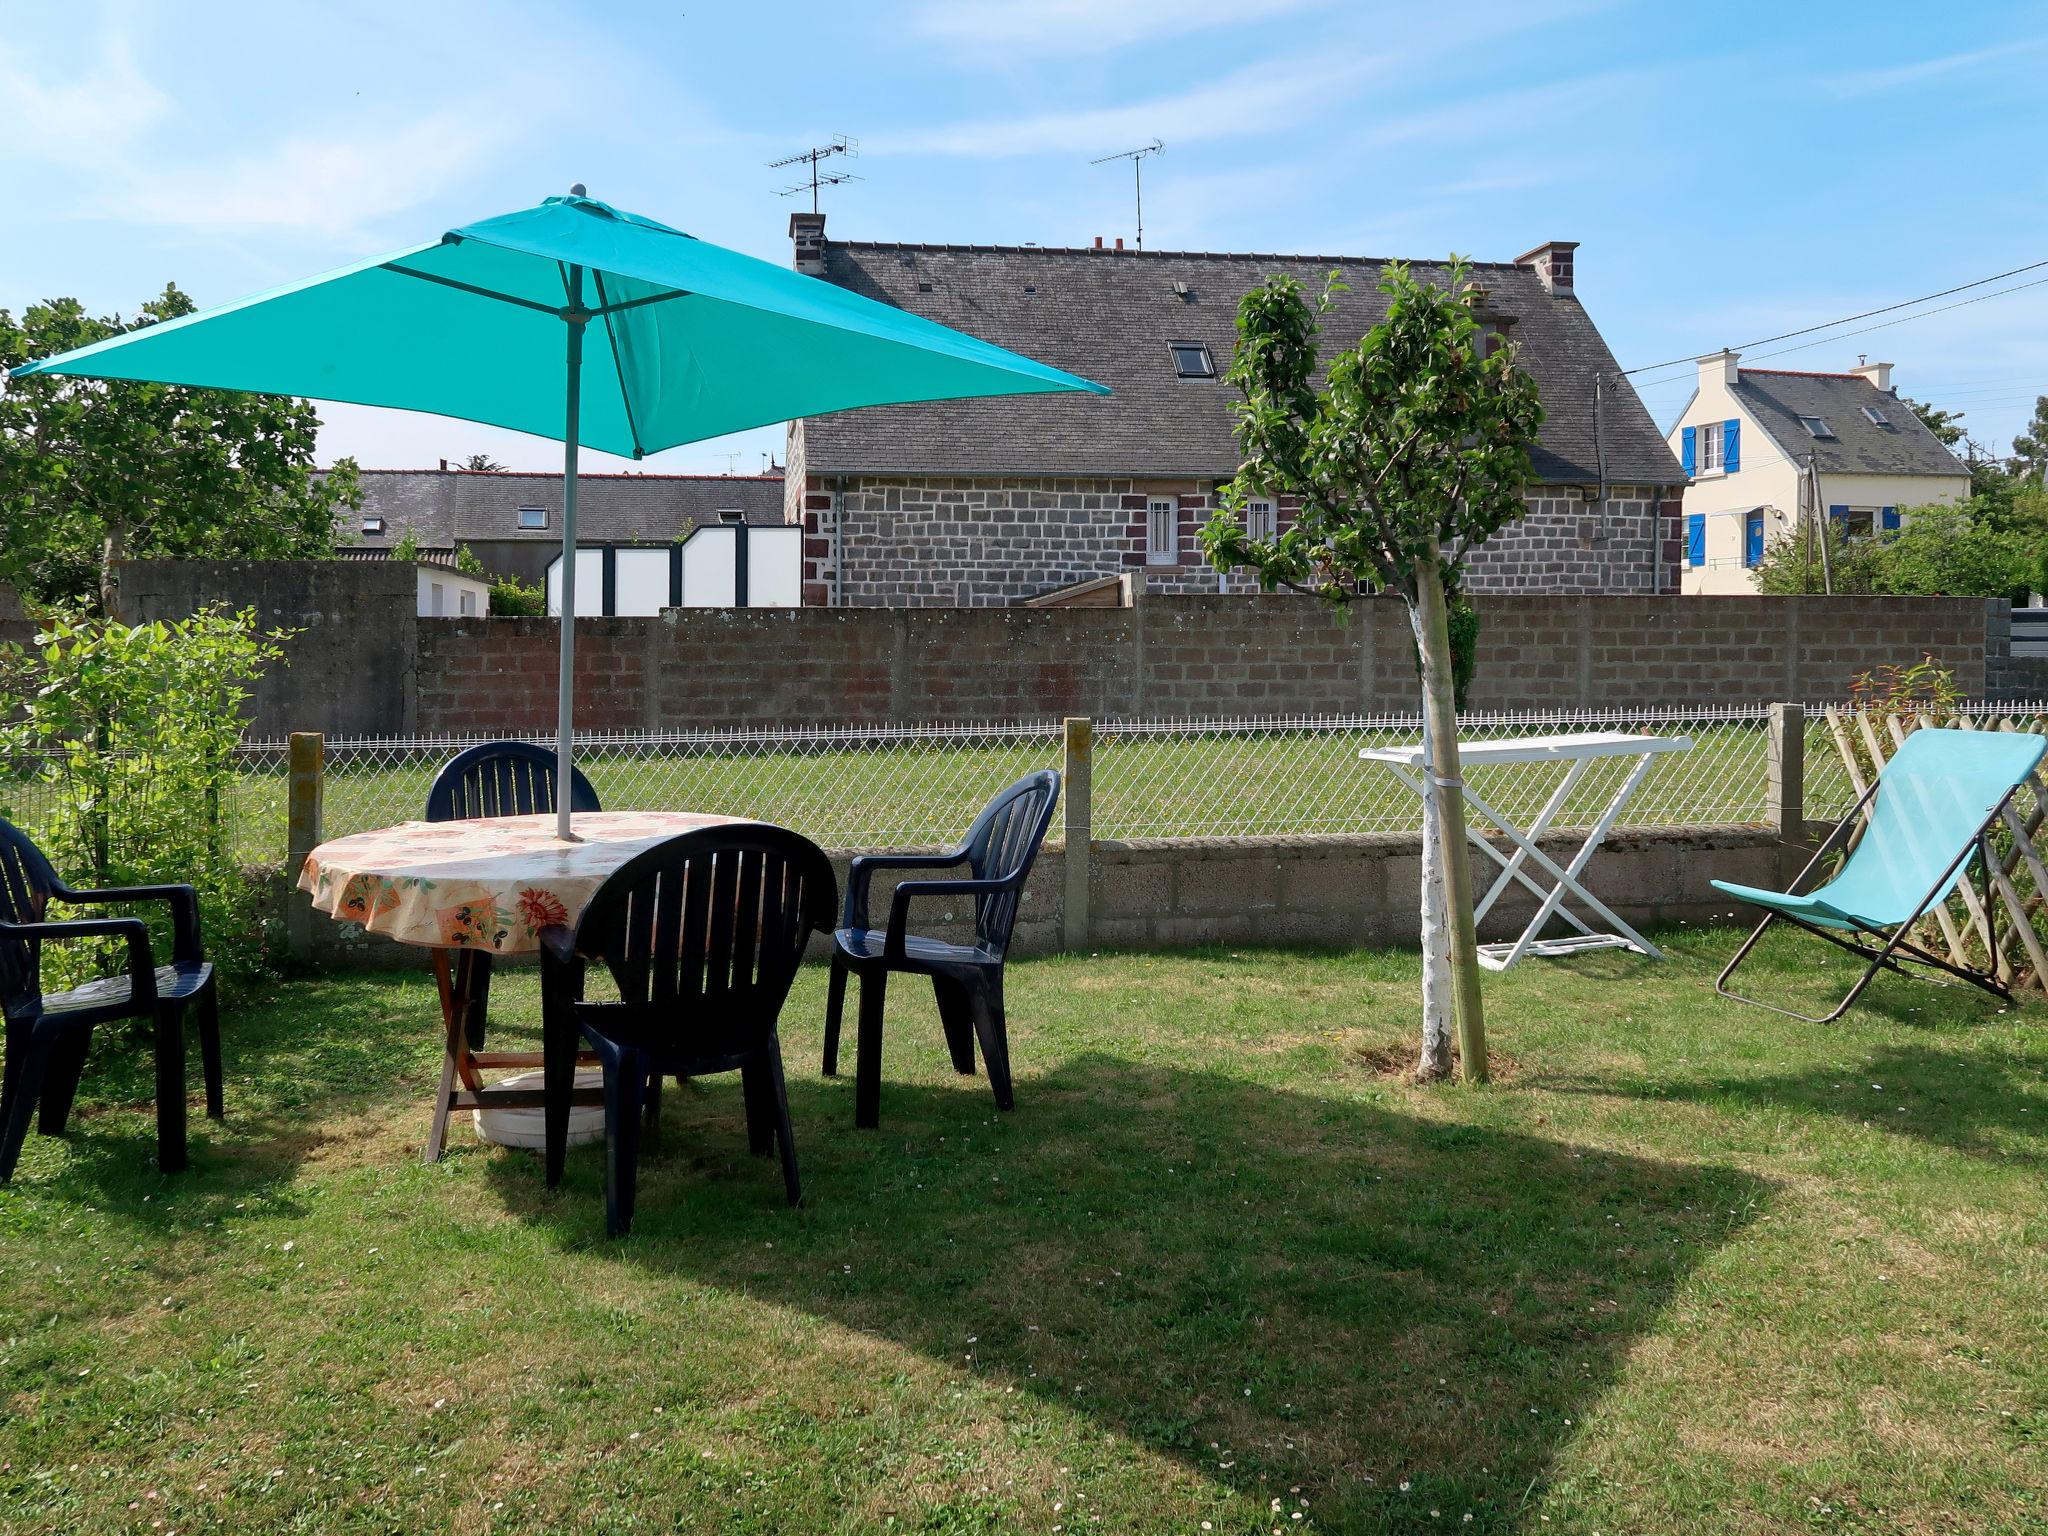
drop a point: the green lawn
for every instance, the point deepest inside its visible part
(1683, 1267)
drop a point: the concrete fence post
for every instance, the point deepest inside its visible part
(1079, 773)
(305, 808)
(1785, 795)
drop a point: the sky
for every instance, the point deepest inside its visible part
(1731, 172)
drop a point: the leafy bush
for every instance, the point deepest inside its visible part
(511, 598)
(120, 749)
(1973, 548)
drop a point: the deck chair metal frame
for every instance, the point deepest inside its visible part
(1898, 949)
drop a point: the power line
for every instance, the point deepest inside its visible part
(1886, 309)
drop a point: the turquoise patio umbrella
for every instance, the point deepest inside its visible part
(578, 321)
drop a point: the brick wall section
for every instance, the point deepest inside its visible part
(363, 664)
(921, 542)
(1172, 656)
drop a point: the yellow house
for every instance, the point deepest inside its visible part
(1768, 452)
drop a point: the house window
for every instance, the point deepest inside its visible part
(533, 517)
(373, 525)
(1877, 417)
(1853, 522)
(1710, 447)
(1816, 426)
(468, 603)
(1191, 360)
(440, 601)
(1162, 531)
(1260, 520)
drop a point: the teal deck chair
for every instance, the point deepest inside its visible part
(1934, 806)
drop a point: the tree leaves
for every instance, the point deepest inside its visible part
(1417, 441)
(94, 469)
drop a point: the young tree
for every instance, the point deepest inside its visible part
(2030, 448)
(93, 471)
(1414, 450)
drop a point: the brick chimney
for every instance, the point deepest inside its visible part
(1719, 368)
(1552, 263)
(1879, 375)
(807, 236)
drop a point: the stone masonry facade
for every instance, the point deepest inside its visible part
(929, 542)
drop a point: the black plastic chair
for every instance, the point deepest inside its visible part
(48, 1032)
(702, 935)
(967, 979)
(497, 778)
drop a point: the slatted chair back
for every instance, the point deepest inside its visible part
(26, 883)
(503, 778)
(1002, 845)
(1933, 800)
(703, 935)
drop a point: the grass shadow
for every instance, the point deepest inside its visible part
(1388, 1312)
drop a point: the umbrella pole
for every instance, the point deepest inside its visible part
(565, 700)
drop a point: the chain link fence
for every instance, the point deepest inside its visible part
(921, 786)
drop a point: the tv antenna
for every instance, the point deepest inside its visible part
(1137, 159)
(815, 178)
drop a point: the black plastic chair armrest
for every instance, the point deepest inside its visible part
(899, 907)
(183, 900)
(141, 962)
(558, 944)
(862, 870)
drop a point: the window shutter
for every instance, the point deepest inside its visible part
(1731, 446)
(1687, 437)
(1839, 516)
(1889, 517)
(1696, 538)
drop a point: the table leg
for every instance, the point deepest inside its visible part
(452, 976)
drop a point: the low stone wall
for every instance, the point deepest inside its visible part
(1343, 891)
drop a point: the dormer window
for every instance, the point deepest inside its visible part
(533, 518)
(373, 525)
(1191, 360)
(1816, 426)
(1877, 417)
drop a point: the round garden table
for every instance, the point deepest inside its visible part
(468, 889)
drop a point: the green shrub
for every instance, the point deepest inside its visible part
(120, 749)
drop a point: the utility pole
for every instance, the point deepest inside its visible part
(1137, 159)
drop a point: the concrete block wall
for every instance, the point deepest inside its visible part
(362, 663)
(1338, 891)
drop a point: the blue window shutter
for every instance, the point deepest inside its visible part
(1753, 541)
(1696, 538)
(1688, 437)
(1731, 446)
(1889, 517)
(1839, 516)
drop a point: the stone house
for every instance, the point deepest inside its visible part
(997, 501)
(1769, 449)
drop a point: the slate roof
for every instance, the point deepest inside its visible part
(446, 507)
(1859, 447)
(1109, 315)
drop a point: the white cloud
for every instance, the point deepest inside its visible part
(90, 120)
(327, 186)
(1008, 29)
(1870, 82)
(1260, 98)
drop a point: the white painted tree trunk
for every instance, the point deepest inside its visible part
(1447, 873)
(1435, 1061)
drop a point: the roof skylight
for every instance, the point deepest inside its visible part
(1816, 426)
(1191, 360)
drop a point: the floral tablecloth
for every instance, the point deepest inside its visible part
(492, 883)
